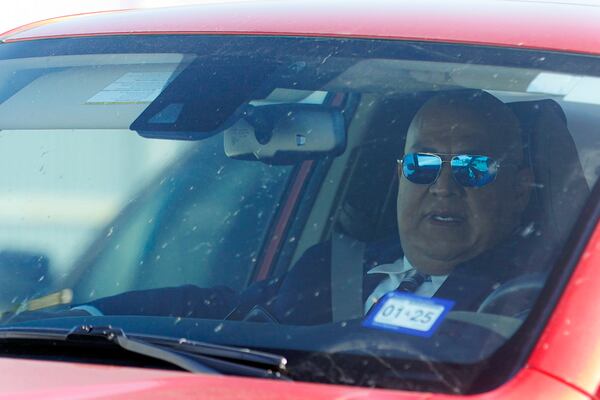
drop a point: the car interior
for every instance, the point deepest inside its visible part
(363, 202)
(350, 199)
(281, 158)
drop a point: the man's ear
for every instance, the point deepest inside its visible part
(524, 185)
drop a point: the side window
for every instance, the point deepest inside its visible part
(119, 258)
(217, 225)
(203, 223)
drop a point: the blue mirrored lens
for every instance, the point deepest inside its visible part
(421, 168)
(473, 171)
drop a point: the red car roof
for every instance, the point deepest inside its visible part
(548, 25)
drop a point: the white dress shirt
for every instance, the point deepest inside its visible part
(396, 272)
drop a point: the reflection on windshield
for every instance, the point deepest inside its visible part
(364, 211)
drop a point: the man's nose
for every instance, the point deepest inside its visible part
(445, 184)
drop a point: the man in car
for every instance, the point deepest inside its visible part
(462, 191)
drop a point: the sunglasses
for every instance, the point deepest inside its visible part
(468, 170)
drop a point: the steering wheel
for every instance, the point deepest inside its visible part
(515, 297)
(505, 308)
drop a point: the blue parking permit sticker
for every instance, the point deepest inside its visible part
(408, 313)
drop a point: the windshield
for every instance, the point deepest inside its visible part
(382, 213)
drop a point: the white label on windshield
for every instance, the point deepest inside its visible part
(408, 313)
(133, 87)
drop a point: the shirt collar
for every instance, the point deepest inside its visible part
(399, 267)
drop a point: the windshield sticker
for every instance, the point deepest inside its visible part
(408, 313)
(132, 88)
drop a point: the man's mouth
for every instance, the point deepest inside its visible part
(445, 218)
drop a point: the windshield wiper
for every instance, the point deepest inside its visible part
(186, 354)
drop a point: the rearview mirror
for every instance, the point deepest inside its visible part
(286, 133)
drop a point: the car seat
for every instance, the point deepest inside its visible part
(560, 191)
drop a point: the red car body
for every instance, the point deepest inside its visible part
(565, 362)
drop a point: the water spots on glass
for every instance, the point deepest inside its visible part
(110, 232)
(528, 230)
(326, 58)
(41, 278)
(218, 328)
(292, 239)
(117, 246)
(191, 188)
(92, 293)
(177, 320)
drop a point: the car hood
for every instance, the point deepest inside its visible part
(28, 379)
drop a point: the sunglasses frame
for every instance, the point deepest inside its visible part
(448, 157)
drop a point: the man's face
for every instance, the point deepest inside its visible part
(443, 224)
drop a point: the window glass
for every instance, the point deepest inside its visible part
(383, 213)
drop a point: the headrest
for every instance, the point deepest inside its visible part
(560, 185)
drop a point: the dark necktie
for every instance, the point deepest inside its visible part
(411, 282)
